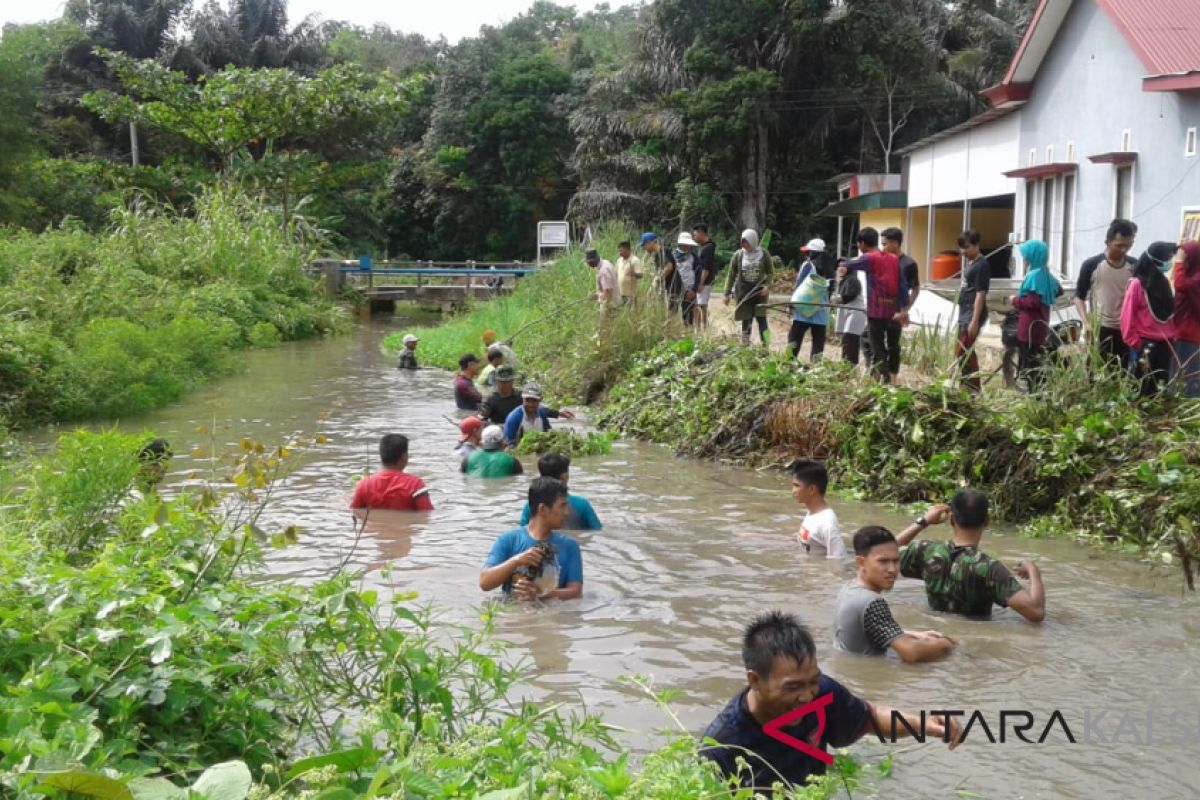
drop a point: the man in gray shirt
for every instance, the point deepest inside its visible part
(862, 622)
(1102, 283)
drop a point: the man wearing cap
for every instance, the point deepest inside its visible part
(468, 439)
(491, 460)
(811, 289)
(606, 280)
(706, 257)
(531, 415)
(408, 356)
(499, 404)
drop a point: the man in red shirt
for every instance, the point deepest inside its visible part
(392, 488)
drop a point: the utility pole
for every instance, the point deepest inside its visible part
(133, 143)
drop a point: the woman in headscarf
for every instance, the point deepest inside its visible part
(750, 272)
(1033, 302)
(1147, 316)
(1186, 366)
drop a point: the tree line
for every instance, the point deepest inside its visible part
(735, 113)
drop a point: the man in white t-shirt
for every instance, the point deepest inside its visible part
(819, 534)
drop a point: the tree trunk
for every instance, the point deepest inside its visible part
(753, 213)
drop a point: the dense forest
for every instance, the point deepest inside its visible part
(732, 113)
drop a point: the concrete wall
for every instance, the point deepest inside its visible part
(1088, 91)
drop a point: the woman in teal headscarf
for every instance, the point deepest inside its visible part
(1034, 301)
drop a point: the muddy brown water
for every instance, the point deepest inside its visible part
(690, 551)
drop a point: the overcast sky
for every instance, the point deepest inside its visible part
(452, 18)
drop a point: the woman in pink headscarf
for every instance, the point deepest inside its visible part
(1185, 368)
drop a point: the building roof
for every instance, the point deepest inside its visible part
(1163, 34)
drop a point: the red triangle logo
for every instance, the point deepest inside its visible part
(817, 706)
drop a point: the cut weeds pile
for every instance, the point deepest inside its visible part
(1098, 466)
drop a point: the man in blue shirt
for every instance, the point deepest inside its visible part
(536, 562)
(531, 415)
(581, 516)
(781, 669)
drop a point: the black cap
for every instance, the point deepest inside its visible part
(591, 255)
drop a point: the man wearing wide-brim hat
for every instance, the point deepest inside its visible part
(686, 275)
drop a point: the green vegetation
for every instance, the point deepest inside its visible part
(115, 323)
(700, 110)
(566, 441)
(556, 328)
(1080, 459)
(143, 655)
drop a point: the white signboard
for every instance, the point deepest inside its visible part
(554, 234)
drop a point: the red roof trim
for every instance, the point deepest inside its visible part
(1005, 94)
(1042, 170)
(1117, 158)
(1171, 83)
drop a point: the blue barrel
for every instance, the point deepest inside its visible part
(364, 261)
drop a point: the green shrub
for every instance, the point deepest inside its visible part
(124, 321)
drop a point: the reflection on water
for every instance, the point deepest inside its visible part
(689, 552)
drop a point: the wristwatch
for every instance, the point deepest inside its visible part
(921, 521)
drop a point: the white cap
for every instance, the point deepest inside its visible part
(409, 339)
(492, 438)
(686, 238)
(814, 246)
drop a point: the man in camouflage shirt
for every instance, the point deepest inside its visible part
(959, 577)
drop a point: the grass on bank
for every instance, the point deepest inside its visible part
(556, 328)
(144, 654)
(116, 323)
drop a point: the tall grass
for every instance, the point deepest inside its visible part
(558, 332)
(126, 320)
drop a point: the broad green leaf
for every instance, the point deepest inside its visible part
(515, 793)
(156, 789)
(344, 760)
(228, 781)
(89, 784)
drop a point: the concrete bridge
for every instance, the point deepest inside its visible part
(445, 283)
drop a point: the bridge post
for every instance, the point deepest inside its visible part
(333, 276)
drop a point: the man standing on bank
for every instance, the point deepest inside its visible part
(893, 242)
(972, 307)
(1103, 280)
(707, 256)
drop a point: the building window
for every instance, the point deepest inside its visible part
(1049, 154)
(1070, 151)
(1032, 156)
(1123, 207)
(1189, 143)
(1068, 223)
(1126, 140)
(1047, 208)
